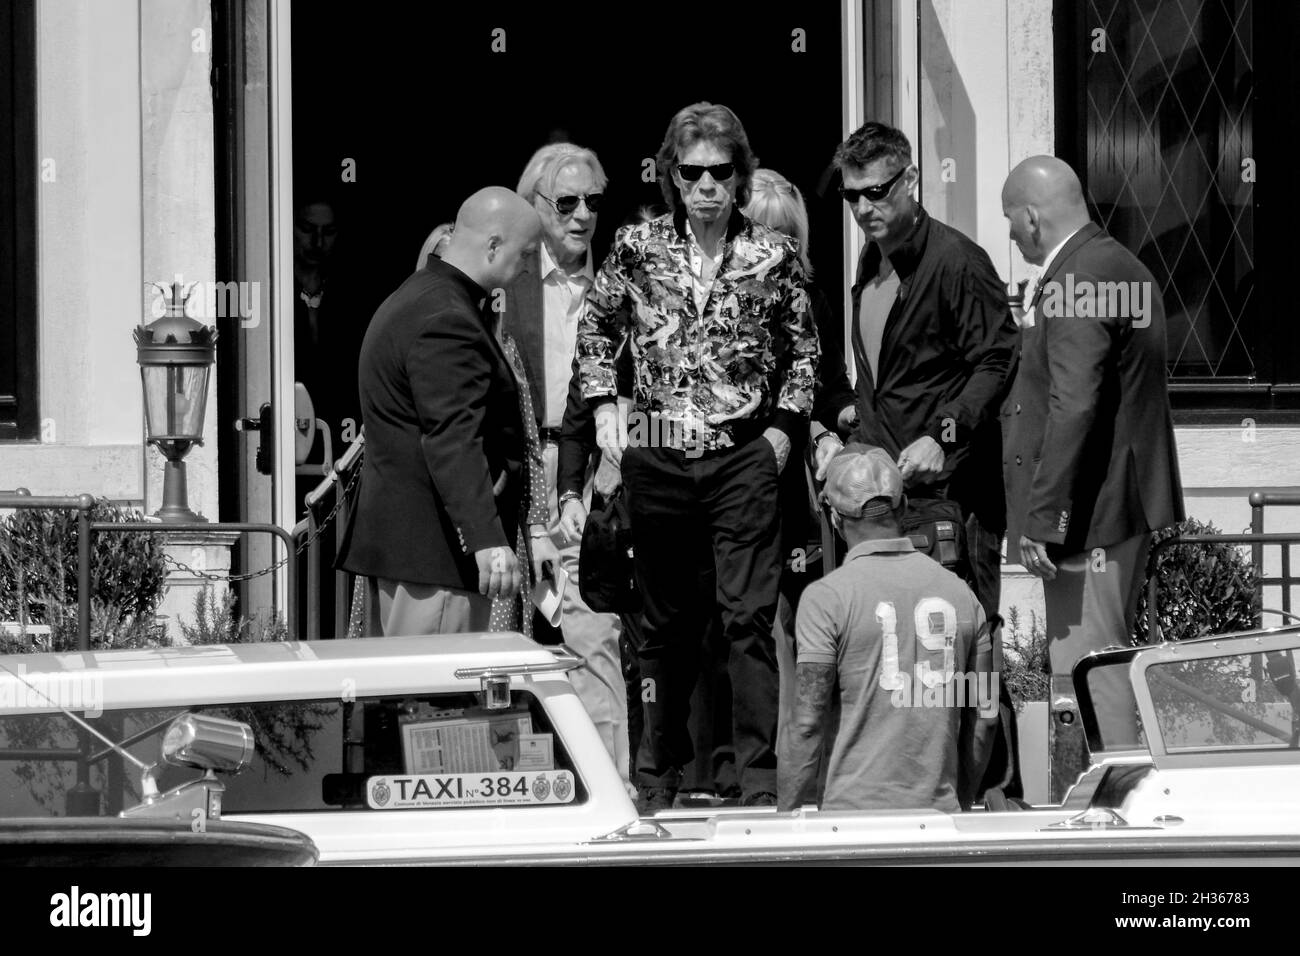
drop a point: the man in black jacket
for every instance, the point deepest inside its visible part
(438, 506)
(932, 339)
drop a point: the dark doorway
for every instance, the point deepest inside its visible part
(401, 112)
(415, 96)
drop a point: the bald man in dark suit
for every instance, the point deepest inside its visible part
(1090, 464)
(443, 476)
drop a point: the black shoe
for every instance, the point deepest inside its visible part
(650, 800)
(761, 799)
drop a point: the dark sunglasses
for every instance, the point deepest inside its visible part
(720, 173)
(567, 205)
(873, 193)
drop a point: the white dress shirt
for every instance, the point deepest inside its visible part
(562, 299)
(702, 275)
(1028, 320)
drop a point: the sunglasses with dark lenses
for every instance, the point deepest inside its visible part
(567, 205)
(720, 173)
(873, 193)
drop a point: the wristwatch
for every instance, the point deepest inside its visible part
(569, 496)
(829, 432)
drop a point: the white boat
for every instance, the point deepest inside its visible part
(475, 750)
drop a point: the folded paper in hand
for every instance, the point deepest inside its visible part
(548, 595)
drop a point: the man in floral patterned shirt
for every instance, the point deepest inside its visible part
(725, 361)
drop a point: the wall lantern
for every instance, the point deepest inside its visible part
(175, 353)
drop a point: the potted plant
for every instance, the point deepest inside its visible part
(1027, 674)
(38, 580)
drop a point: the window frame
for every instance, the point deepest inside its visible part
(1272, 396)
(19, 411)
(1252, 644)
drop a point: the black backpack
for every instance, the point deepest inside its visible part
(606, 578)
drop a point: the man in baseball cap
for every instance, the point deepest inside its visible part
(863, 482)
(906, 641)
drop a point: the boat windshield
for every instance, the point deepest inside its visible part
(1226, 703)
(429, 751)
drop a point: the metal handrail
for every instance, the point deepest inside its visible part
(1283, 539)
(1259, 500)
(334, 477)
(331, 485)
(243, 527)
(83, 504)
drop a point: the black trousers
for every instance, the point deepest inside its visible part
(985, 546)
(691, 516)
(985, 549)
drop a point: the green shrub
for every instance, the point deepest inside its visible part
(1026, 670)
(1204, 589)
(218, 622)
(38, 575)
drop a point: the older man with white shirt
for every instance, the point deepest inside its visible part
(564, 183)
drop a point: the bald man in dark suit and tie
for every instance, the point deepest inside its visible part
(1089, 461)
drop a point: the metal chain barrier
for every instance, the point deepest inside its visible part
(307, 543)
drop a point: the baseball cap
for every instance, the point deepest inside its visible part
(863, 481)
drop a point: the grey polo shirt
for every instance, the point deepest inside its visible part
(903, 634)
(878, 297)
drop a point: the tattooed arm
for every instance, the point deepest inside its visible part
(979, 723)
(817, 637)
(797, 771)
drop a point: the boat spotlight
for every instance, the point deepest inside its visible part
(208, 743)
(211, 744)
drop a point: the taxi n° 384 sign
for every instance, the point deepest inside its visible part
(503, 788)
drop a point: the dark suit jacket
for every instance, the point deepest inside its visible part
(1090, 458)
(524, 318)
(943, 365)
(441, 408)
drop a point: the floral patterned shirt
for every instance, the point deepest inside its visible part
(747, 358)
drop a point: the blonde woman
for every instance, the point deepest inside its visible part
(777, 203)
(434, 245)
